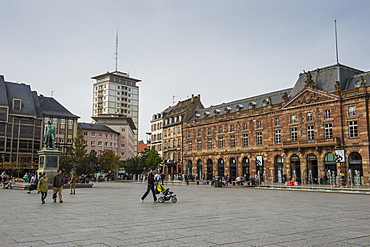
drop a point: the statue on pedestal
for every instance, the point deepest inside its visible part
(49, 136)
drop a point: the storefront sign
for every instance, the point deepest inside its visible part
(259, 160)
(339, 156)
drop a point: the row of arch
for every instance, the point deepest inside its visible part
(279, 171)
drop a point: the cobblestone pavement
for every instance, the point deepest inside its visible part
(111, 214)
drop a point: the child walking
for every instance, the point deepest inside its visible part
(43, 187)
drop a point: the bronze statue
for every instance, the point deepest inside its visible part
(49, 136)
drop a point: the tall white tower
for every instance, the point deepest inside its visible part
(116, 94)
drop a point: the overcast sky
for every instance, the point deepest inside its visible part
(224, 50)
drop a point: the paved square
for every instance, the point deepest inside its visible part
(111, 214)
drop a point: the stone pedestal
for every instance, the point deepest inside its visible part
(49, 162)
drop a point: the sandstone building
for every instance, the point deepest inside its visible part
(173, 133)
(317, 131)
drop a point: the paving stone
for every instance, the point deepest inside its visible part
(111, 214)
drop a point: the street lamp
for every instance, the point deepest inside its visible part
(3, 156)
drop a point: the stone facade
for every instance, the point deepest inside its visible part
(172, 138)
(295, 133)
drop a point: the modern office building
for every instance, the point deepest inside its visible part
(23, 115)
(116, 94)
(317, 131)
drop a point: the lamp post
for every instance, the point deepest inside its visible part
(3, 157)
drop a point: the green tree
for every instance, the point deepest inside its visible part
(132, 165)
(79, 153)
(153, 159)
(92, 162)
(66, 162)
(109, 161)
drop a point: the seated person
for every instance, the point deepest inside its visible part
(238, 180)
(7, 183)
(224, 181)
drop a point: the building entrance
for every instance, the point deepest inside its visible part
(232, 169)
(190, 168)
(355, 169)
(209, 170)
(245, 164)
(330, 176)
(278, 169)
(221, 168)
(199, 170)
(312, 169)
(295, 168)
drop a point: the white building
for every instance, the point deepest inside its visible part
(116, 94)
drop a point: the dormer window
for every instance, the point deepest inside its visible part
(217, 111)
(252, 105)
(17, 104)
(206, 113)
(265, 102)
(197, 115)
(227, 109)
(239, 107)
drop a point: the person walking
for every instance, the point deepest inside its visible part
(72, 183)
(151, 186)
(43, 187)
(58, 186)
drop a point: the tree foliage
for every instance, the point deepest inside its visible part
(132, 165)
(66, 162)
(153, 160)
(92, 161)
(144, 161)
(109, 161)
(79, 152)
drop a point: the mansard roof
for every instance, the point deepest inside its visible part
(96, 127)
(32, 105)
(50, 106)
(325, 78)
(355, 81)
(322, 81)
(20, 91)
(242, 104)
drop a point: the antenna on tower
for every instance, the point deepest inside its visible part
(336, 40)
(173, 99)
(116, 53)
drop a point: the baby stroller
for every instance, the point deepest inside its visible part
(166, 194)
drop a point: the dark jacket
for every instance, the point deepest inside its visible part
(151, 179)
(58, 180)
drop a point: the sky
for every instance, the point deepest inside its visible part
(224, 50)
